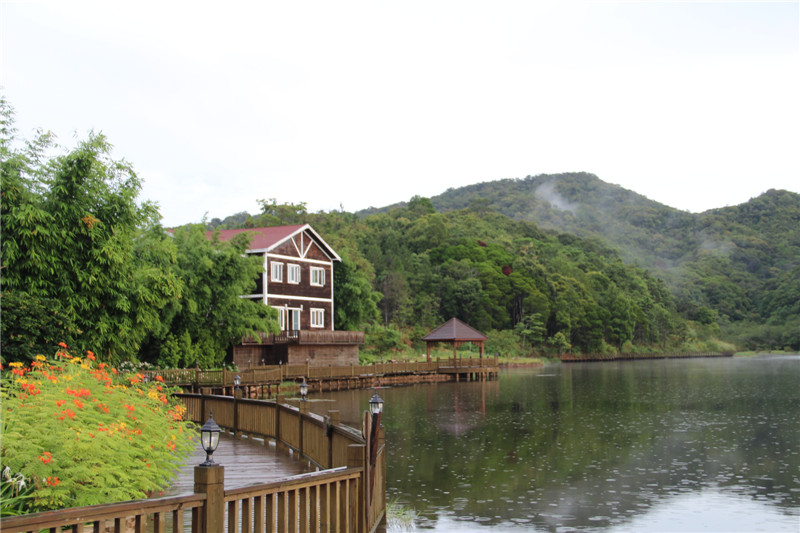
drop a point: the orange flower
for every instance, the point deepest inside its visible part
(63, 345)
(78, 403)
(59, 403)
(90, 356)
(70, 413)
(159, 378)
(53, 481)
(46, 458)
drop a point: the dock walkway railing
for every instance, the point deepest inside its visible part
(347, 495)
(275, 374)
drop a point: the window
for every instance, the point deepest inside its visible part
(294, 273)
(317, 276)
(282, 317)
(277, 271)
(317, 318)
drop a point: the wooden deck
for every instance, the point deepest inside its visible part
(265, 381)
(251, 489)
(246, 462)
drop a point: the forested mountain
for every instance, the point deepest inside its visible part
(540, 290)
(739, 265)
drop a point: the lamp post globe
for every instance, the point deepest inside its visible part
(376, 404)
(304, 390)
(209, 439)
(237, 380)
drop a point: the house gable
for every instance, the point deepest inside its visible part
(298, 273)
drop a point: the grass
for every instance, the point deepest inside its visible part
(399, 518)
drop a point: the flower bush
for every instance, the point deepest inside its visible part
(81, 433)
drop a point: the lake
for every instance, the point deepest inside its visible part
(681, 445)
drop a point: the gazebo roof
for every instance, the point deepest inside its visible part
(454, 330)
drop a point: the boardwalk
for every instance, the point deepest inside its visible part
(265, 381)
(246, 462)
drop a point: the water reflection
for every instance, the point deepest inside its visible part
(604, 446)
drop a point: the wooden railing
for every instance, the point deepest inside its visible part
(348, 495)
(164, 514)
(275, 374)
(307, 337)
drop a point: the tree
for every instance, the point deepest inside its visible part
(210, 316)
(354, 301)
(531, 327)
(559, 342)
(75, 238)
(274, 214)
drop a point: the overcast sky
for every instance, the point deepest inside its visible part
(359, 104)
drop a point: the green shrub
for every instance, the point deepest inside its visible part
(80, 434)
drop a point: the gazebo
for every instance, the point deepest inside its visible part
(454, 332)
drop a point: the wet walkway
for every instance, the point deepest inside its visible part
(246, 462)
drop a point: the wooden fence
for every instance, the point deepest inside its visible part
(348, 495)
(275, 374)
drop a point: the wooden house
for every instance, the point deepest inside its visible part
(297, 280)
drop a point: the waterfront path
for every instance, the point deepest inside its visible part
(246, 462)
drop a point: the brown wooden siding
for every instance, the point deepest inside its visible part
(303, 289)
(288, 248)
(305, 315)
(323, 355)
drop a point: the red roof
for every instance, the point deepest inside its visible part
(265, 239)
(455, 330)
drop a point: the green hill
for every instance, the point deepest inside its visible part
(734, 271)
(741, 262)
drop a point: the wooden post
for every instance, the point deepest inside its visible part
(278, 436)
(237, 395)
(210, 480)
(356, 457)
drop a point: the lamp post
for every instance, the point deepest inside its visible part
(375, 409)
(375, 404)
(237, 380)
(209, 439)
(209, 478)
(304, 390)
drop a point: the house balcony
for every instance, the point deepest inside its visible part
(307, 337)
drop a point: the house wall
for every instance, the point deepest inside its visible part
(303, 252)
(248, 355)
(324, 355)
(305, 314)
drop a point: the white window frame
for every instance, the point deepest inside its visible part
(276, 272)
(293, 273)
(282, 317)
(317, 317)
(317, 277)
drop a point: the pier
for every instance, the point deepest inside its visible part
(265, 381)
